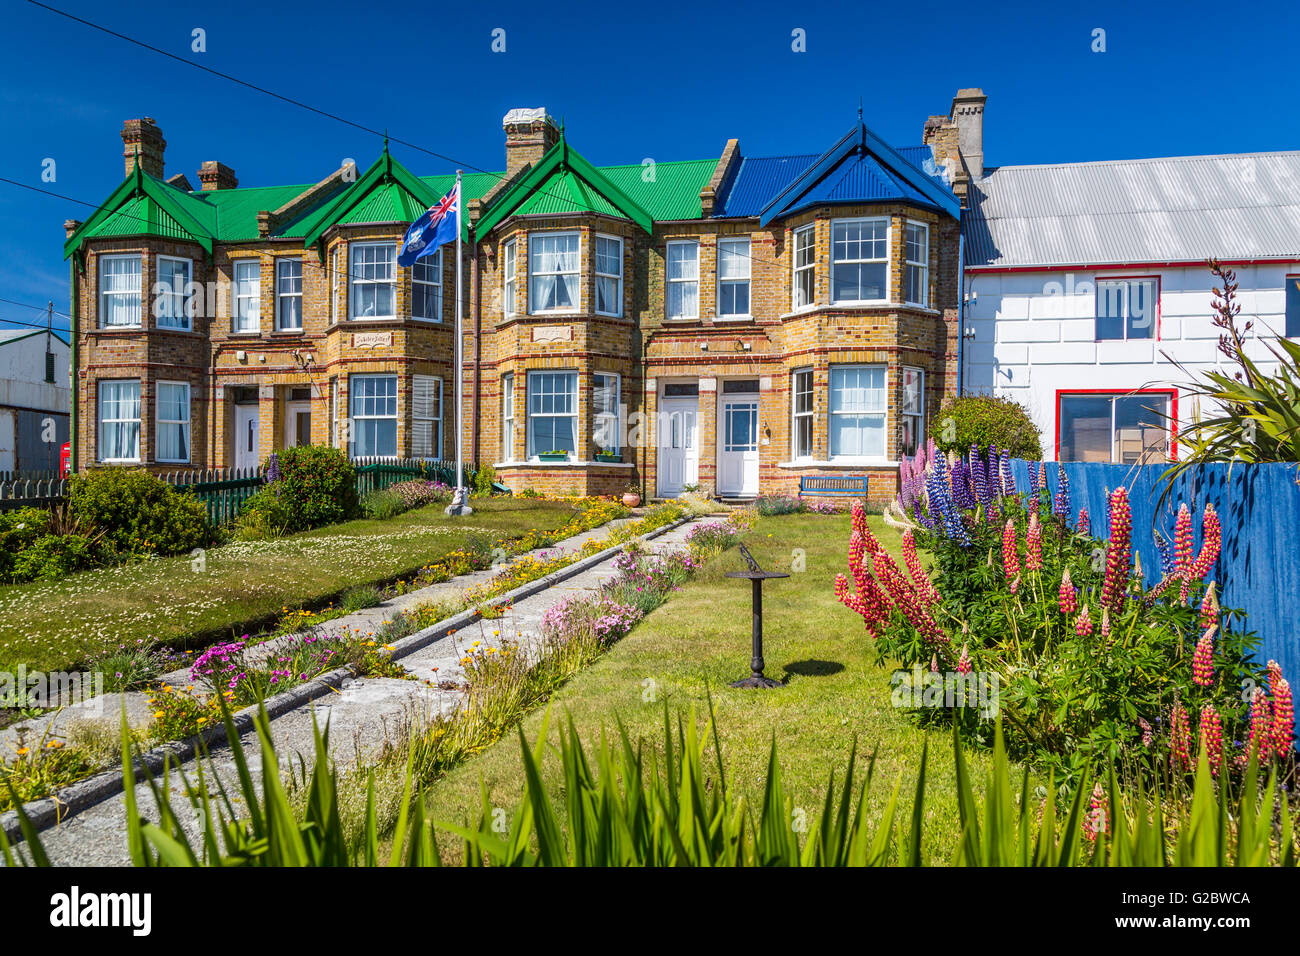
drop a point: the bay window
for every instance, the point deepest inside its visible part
(857, 411)
(916, 268)
(172, 441)
(605, 399)
(173, 306)
(248, 295)
(912, 409)
(510, 271)
(426, 416)
(373, 401)
(553, 266)
(119, 292)
(373, 280)
(859, 260)
(801, 391)
(119, 420)
(683, 268)
(288, 294)
(733, 278)
(804, 268)
(426, 287)
(609, 275)
(552, 412)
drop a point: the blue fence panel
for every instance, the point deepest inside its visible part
(1259, 509)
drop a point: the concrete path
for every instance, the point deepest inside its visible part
(360, 716)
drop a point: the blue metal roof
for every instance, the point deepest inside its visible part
(859, 168)
(756, 181)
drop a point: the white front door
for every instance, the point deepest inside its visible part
(738, 447)
(297, 424)
(679, 447)
(247, 452)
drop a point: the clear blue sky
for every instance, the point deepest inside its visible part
(631, 79)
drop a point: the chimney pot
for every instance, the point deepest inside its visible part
(215, 175)
(143, 144)
(968, 115)
(529, 134)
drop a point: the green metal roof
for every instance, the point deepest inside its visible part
(388, 192)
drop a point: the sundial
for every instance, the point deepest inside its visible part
(756, 576)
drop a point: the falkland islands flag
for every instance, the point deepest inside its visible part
(439, 224)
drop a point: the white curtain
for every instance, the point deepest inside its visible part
(119, 420)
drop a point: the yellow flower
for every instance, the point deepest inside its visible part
(54, 744)
(159, 714)
(22, 751)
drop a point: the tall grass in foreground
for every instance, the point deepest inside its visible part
(637, 807)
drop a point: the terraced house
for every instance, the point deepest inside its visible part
(732, 322)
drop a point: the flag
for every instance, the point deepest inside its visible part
(439, 224)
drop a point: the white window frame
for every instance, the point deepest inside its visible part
(433, 263)
(160, 422)
(747, 279)
(353, 394)
(889, 251)
(796, 414)
(356, 283)
(281, 296)
(334, 285)
(882, 412)
(334, 411)
(508, 416)
(534, 273)
(533, 452)
(921, 266)
(809, 268)
(614, 416)
(137, 292)
(510, 276)
(435, 421)
(181, 302)
(245, 301)
(617, 277)
(102, 421)
(919, 416)
(682, 281)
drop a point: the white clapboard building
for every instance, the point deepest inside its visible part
(35, 399)
(1084, 280)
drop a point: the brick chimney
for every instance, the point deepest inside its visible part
(144, 144)
(529, 134)
(968, 115)
(215, 175)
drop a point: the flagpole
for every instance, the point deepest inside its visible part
(460, 503)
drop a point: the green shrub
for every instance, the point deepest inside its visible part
(263, 516)
(985, 420)
(54, 556)
(19, 529)
(359, 598)
(318, 486)
(382, 504)
(137, 513)
(769, 505)
(483, 481)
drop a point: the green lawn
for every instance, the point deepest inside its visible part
(699, 642)
(59, 625)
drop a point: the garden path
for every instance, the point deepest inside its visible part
(360, 716)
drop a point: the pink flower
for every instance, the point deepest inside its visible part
(963, 662)
(924, 589)
(1034, 544)
(1083, 624)
(1083, 525)
(1211, 544)
(1180, 739)
(1067, 598)
(1283, 710)
(1209, 608)
(1115, 582)
(1010, 556)
(1095, 822)
(1211, 733)
(1202, 661)
(1261, 724)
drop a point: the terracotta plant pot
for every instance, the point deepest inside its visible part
(631, 499)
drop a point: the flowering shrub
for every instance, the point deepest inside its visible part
(601, 618)
(1092, 665)
(769, 505)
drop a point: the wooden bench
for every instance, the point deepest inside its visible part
(833, 486)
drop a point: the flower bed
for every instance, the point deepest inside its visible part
(1088, 664)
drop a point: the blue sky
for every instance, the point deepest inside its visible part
(631, 80)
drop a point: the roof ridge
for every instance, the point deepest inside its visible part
(1145, 159)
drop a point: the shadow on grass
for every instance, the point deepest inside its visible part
(814, 668)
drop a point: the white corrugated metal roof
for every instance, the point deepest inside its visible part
(1180, 209)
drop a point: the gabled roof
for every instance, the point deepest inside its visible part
(9, 336)
(1178, 209)
(861, 167)
(386, 192)
(143, 205)
(563, 181)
